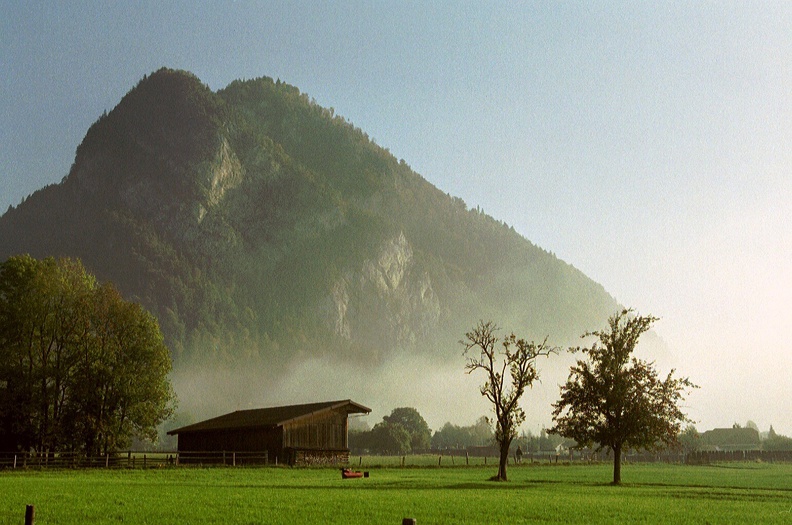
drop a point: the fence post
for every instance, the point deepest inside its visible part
(144, 461)
(233, 459)
(30, 514)
(439, 459)
(15, 457)
(107, 460)
(467, 458)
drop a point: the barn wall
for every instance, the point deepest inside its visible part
(326, 431)
(317, 439)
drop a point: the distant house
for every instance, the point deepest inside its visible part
(295, 434)
(737, 438)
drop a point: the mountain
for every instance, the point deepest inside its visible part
(259, 227)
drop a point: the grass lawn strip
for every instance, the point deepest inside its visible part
(546, 494)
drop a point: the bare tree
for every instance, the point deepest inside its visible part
(509, 372)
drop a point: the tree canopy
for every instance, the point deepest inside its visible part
(81, 369)
(455, 436)
(617, 401)
(415, 425)
(403, 431)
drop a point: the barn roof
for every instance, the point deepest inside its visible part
(271, 417)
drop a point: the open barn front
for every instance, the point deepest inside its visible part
(308, 434)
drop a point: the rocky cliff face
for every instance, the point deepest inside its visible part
(388, 296)
(224, 173)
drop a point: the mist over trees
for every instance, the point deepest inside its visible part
(81, 369)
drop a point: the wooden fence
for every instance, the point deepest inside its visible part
(767, 456)
(133, 459)
(457, 457)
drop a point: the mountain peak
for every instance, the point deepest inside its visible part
(155, 151)
(255, 223)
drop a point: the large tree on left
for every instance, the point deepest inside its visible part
(81, 369)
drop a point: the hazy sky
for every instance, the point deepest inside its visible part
(647, 144)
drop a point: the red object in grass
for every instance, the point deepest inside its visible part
(349, 473)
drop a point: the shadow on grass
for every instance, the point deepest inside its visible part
(369, 485)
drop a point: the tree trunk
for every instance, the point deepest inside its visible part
(617, 464)
(504, 460)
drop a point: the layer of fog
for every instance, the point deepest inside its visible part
(440, 389)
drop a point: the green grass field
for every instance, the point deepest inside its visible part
(728, 493)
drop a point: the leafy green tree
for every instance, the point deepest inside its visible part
(389, 438)
(450, 436)
(115, 400)
(690, 439)
(455, 436)
(43, 308)
(509, 372)
(403, 431)
(617, 401)
(415, 425)
(82, 369)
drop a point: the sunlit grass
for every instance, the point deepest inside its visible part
(548, 494)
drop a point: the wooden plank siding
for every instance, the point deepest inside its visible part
(324, 431)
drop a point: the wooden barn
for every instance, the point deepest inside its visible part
(297, 434)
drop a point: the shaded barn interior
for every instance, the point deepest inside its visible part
(312, 433)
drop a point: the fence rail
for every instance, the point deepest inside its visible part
(444, 458)
(767, 456)
(130, 459)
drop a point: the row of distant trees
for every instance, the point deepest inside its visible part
(405, 431)
(748, 438)
(401, 432)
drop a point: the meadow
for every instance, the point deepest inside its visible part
(651, 493)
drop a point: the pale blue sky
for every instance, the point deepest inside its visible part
(645, 143)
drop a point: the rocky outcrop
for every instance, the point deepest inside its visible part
(389, 295)
(224, 173)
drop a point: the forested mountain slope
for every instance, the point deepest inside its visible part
(258, 226)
